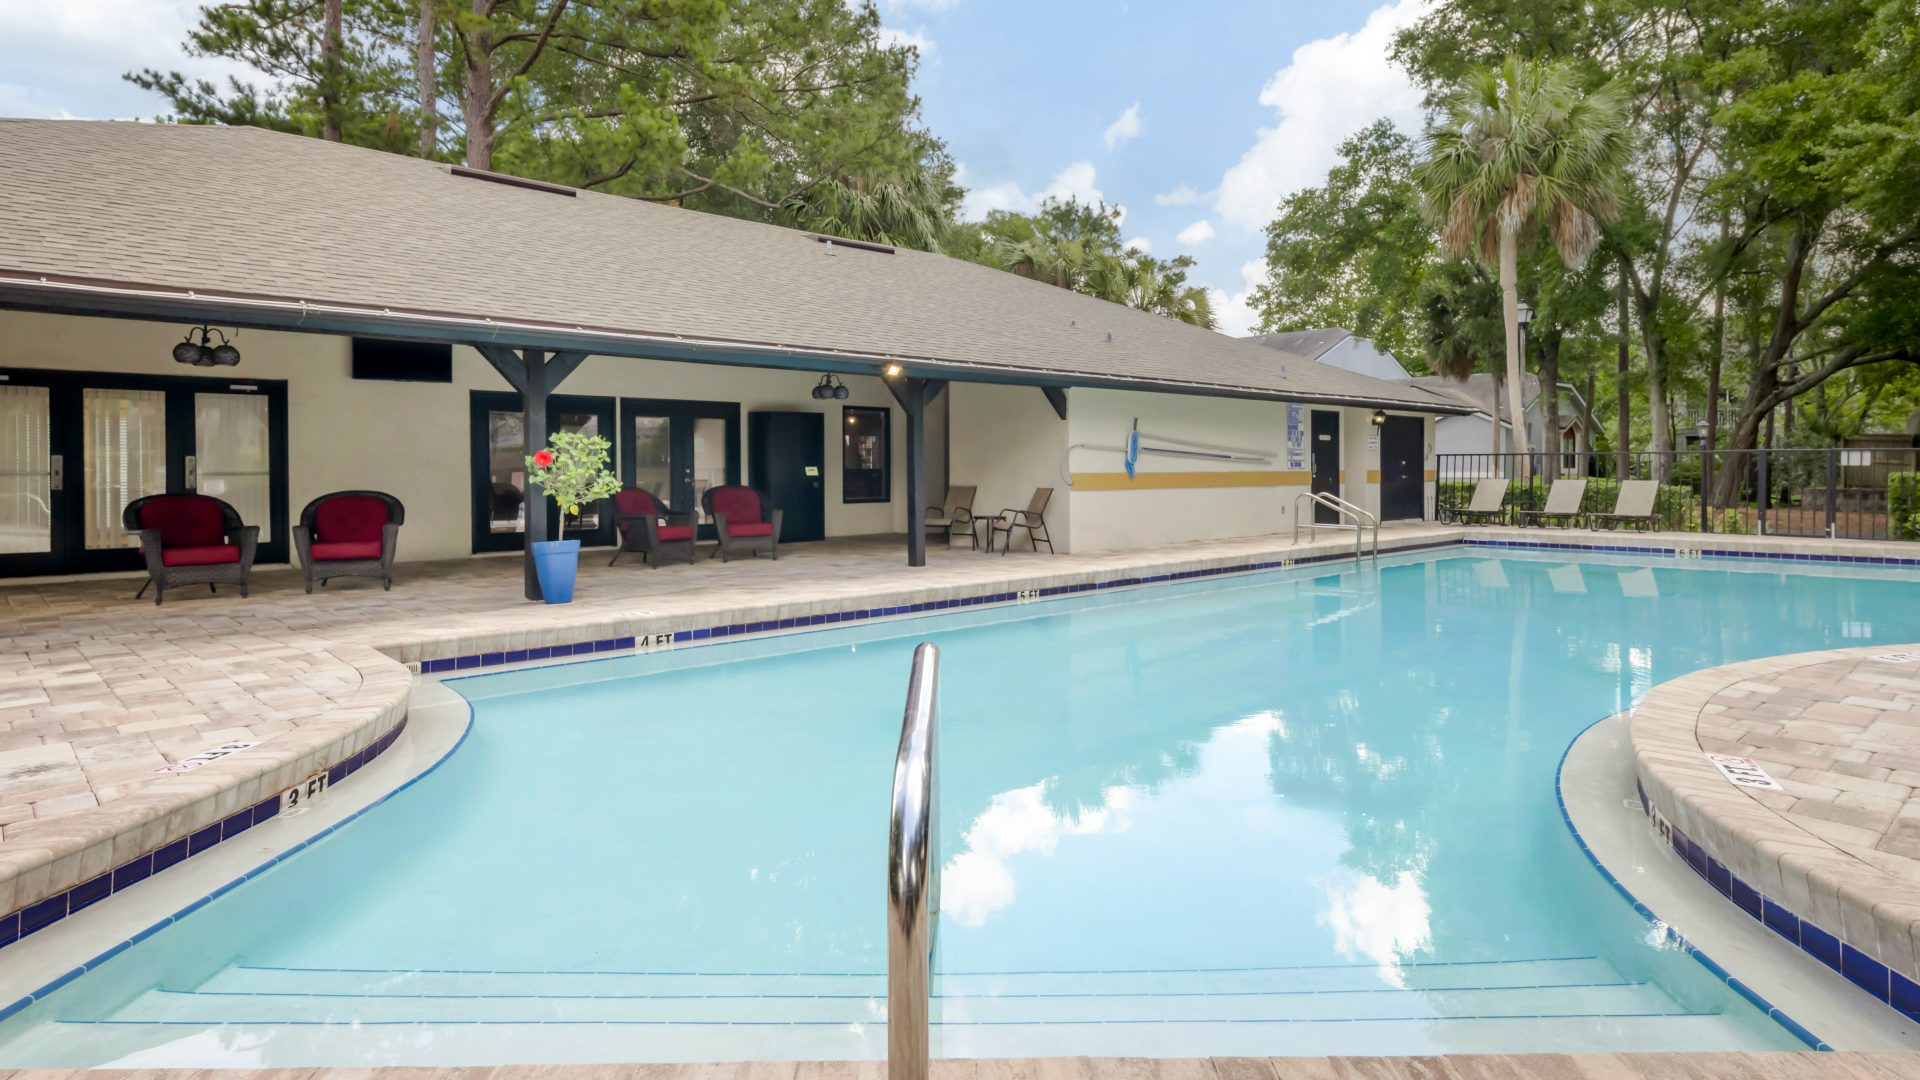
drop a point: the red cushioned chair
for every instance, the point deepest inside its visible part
(647, 526)
(743, 520)
(349, 534)
(190, 539)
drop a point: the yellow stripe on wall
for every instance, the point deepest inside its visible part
(1373, 476)
(1163, 481)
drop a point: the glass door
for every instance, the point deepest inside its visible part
(77, 447)
(679, 449)
(30, 479)
(500, 452)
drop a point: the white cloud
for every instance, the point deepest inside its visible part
(1077, 181)
(1235, 310)
(1332, 87)
(1197, 233)
(1183, 195)
(890, 36)
(1127, 127)
(1141, 245)
(66, 59)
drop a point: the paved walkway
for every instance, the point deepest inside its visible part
(1780, 1066)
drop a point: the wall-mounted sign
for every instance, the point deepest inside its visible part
(1373, 444)
(1744, 772)
(188, 764)
(1296, 437)
(813, 470)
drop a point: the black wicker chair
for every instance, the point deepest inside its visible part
(191, 539)
(349, 534)
(743, 520)
(646, 525)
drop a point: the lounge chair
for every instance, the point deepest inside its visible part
(191, 539)
(1029, 519)
(743, 521)
(349, 534)
(1635, 505)
(1488, 504)
(1563, 504)
(647, 526)
(956, 514)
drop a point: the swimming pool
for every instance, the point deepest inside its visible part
(1299, 812)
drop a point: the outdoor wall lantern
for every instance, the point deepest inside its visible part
(1379, 418)
(204, 353)
(830, 389)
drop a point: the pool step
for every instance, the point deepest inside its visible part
(1312, 979)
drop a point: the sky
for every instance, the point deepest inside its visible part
(1196, 118)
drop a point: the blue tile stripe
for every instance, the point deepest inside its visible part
(808, 622)
(1884, 984)
(1798, 1030)
(41, 914)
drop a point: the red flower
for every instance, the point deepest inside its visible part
(543, 458)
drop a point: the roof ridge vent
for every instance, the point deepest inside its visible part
(512, 181)
(862, 245)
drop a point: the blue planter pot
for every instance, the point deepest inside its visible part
(555, 562)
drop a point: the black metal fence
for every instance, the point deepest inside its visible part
(1866, 494)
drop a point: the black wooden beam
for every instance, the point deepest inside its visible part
(913, 395)
(1056, 397)
(535, 374)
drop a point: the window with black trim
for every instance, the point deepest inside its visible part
(866, 456)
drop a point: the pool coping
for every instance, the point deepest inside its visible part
(72, 861)
(1855, 918)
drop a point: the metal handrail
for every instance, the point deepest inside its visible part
(913, 871)
(1360, 519)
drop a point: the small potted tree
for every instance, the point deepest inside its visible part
(573, 471)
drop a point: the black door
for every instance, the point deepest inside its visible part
(679, 449)
(1325, 452)
(500, 500)
(786, 459)
(77, 447)
(1402, 485)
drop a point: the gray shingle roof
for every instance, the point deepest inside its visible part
(1312, 344)
(255, 224)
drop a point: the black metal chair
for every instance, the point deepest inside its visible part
(191, 539)
(349, 534)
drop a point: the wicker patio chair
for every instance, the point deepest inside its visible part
(349, 534)
(190, 539)
(647, 526)
(743, 521)
(1563, 504)
(1030, 519)
(956, 514)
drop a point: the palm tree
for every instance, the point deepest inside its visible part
(1521, 152)
(1460, 327)
(910, 210)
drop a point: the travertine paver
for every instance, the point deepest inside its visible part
(1840, 732)
(1771, 1066)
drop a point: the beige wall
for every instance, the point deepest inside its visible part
(1006, 441)
(412, 439)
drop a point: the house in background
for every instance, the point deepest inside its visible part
(1471, 433)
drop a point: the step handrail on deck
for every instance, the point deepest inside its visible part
(913, 871)
(1359, 519)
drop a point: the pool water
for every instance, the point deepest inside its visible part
(1293, 813)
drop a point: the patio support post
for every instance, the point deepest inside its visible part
(913, 394)
(534, 373)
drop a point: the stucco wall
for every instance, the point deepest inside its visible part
(1006, 441)
(412, 439)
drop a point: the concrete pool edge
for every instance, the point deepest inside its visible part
(1596, 791)
(38, 967)
(1855, 917)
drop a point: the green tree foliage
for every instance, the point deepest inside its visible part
(1354, 251)
(1072, 245)
(1520, 154)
